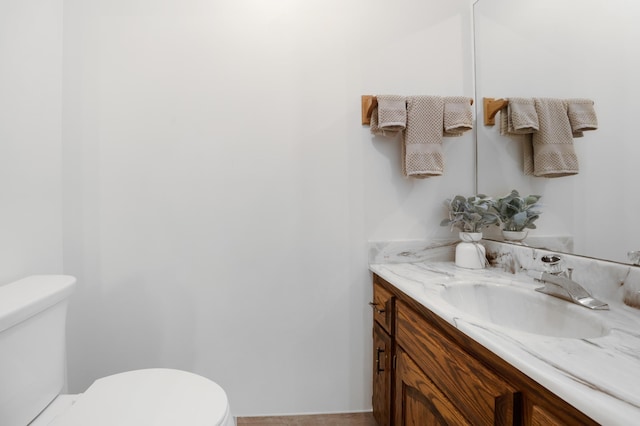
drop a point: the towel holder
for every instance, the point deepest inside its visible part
(369, 102)
(491, 106)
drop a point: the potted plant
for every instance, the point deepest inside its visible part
(470, 215)
(517, 214)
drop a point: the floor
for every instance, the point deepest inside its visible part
(353, 419)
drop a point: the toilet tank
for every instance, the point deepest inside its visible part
(33, 314)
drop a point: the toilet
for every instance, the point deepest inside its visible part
(32, 373)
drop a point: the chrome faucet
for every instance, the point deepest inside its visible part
(557, 282)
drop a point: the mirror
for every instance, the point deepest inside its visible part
(566, 49)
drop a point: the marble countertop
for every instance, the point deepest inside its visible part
(600, 376)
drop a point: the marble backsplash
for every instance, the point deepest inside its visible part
(614, 282)
(410, 251)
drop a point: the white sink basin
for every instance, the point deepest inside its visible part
(525, 310)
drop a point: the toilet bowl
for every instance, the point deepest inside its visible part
(32, 364)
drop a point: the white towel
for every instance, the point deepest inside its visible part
(553, 152)
(458, 115)
(392, 112)
(422, 149)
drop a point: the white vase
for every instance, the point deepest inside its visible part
(514, 235)
(470, 253)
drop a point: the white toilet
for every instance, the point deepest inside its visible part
(32, 373)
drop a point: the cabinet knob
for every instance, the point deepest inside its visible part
(374, 305)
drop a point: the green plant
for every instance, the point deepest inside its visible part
(470, 214)
(517, 213)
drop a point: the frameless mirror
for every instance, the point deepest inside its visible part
(566, 49)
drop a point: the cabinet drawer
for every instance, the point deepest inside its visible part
(382, 305)
(478, 393)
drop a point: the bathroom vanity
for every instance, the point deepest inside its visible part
(455, 346)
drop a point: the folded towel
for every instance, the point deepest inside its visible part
(582, 116)
(553, 152)
(520, 118)
(523, 116)
(422, 149)
(392, 112)
(376, 130)
(458, 115)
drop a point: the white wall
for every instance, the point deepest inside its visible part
(220, 191)
(30, 147)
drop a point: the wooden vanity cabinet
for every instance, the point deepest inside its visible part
(436, 375)
(476, 392)
(381, 399)
(418, 401)
(382, 307)
(542, 408)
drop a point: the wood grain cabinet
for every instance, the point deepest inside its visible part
(418, 401)
(426, 372)
(382, 306)
(480, 396)
(381, 376)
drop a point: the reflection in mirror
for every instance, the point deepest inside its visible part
(567, 49)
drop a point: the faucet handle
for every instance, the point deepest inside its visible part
(553, 264)
(569, 273)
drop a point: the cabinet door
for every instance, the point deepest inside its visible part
(548, 410)
(483, 397)
(418, 401)
(541, 417)
(381, 376)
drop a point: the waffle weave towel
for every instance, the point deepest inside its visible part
(458, 115)
(392, 112)
(582, 116)
(422, 149)
(376, 130)
(553, 152)
(520, 118)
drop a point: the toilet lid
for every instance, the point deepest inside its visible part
(158, 397)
